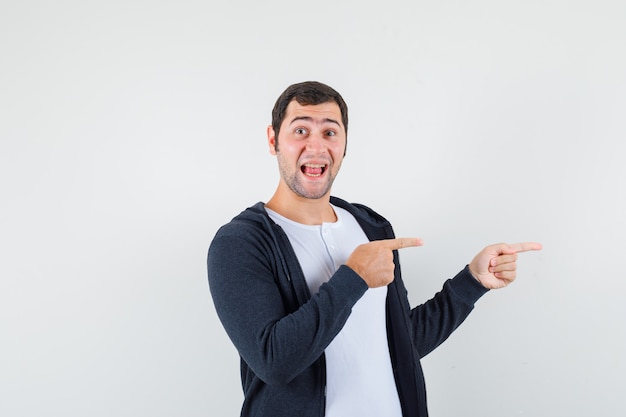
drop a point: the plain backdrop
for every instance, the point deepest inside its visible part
(131, 130)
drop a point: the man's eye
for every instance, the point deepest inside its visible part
(301, 131)
(331, 133)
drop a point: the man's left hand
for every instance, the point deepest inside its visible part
(495, 266)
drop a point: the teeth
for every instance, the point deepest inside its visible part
(309, 168)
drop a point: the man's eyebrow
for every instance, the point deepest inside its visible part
(318, 121)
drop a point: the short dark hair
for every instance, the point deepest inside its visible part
(308, 93)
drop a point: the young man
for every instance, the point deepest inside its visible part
(309, 288)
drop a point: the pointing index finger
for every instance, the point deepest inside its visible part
(525, 246)
(402, 242)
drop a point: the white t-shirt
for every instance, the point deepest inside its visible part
(359, 380)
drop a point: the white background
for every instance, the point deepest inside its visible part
(130, 131)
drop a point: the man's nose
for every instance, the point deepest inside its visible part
(316, 142)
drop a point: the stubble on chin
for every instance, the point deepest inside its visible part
(295, 183)
(297, 187)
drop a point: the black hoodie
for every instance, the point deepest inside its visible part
(281, 331)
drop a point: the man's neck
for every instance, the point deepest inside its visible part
(302, 210)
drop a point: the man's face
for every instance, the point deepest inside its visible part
(311, 145)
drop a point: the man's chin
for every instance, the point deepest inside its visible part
(312, 194)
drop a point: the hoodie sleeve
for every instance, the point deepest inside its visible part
(248, 288)
(435, 320)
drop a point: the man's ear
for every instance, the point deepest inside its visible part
(271, 140)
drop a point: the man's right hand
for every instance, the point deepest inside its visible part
(373, 261)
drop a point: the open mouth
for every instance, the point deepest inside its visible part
(313, 170)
